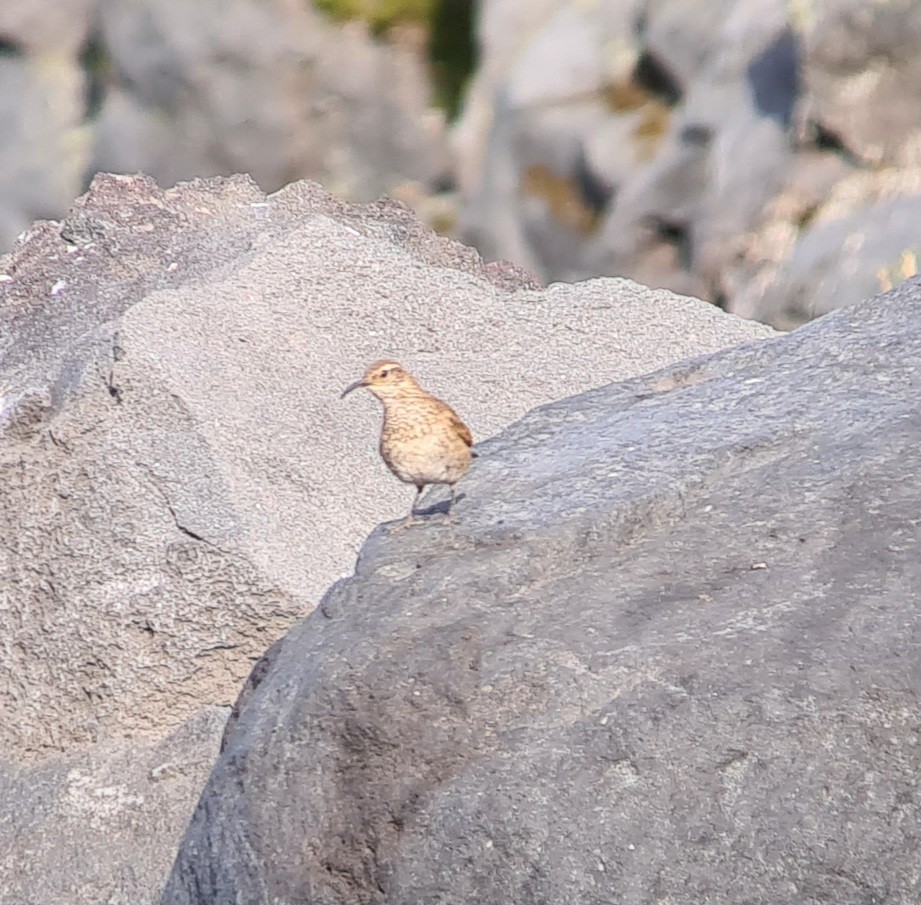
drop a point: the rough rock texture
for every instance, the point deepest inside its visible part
(690, 144)
(667, 652)
(180, 89)
(179, 480)
(837, 261)
(862, 77)
(100, 824)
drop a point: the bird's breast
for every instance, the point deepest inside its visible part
(423, 450)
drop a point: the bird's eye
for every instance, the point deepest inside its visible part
(385, 373)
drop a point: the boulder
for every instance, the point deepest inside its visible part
(180, 482)
(179, 90)
(665, 652)
(862, 76)
(664, 139)
(837, 262)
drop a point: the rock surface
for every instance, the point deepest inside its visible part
(180, 481)
(690, 144)
(100, 824)
(666, 652)
(179, 90)
(838, 261)
(862, 74)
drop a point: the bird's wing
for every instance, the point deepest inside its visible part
(461, 429)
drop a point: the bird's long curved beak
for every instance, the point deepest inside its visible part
(352, 386)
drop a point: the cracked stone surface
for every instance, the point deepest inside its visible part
(181, 483)
(667, 652)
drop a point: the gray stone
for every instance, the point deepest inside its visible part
(724, 156)
(179, 481)
(689, 137)
(107, 819)
(836, 263)
(180, 90)
(562, 60)
(863, 74)
(664, 652)
(680, 158)
(269, 87)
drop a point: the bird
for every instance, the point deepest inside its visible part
(423, 440)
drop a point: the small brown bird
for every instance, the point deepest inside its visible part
(423, 440)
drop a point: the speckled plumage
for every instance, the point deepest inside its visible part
(423, 440)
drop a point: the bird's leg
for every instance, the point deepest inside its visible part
(448, 515)
(411, 518)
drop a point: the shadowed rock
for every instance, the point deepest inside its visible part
(666, 652)
(178, 487)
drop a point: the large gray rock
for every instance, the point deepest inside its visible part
(179, 481)
(668, 140)
(179, 90)
(666, 652)
(863, 75)
(839, 262)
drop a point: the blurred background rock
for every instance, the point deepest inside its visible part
(761, 154)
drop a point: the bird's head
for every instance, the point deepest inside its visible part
(384, 379)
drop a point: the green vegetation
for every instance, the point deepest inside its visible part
(452, 51)
(379, 14)
(448, 25)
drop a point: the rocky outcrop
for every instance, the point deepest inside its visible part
(861, 77)
(179, 90)
(654, 134)
(696, 145)
(664, 653)
(864, 242)
(179, 481)
(720, 148)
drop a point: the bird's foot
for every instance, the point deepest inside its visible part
(408, 522)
